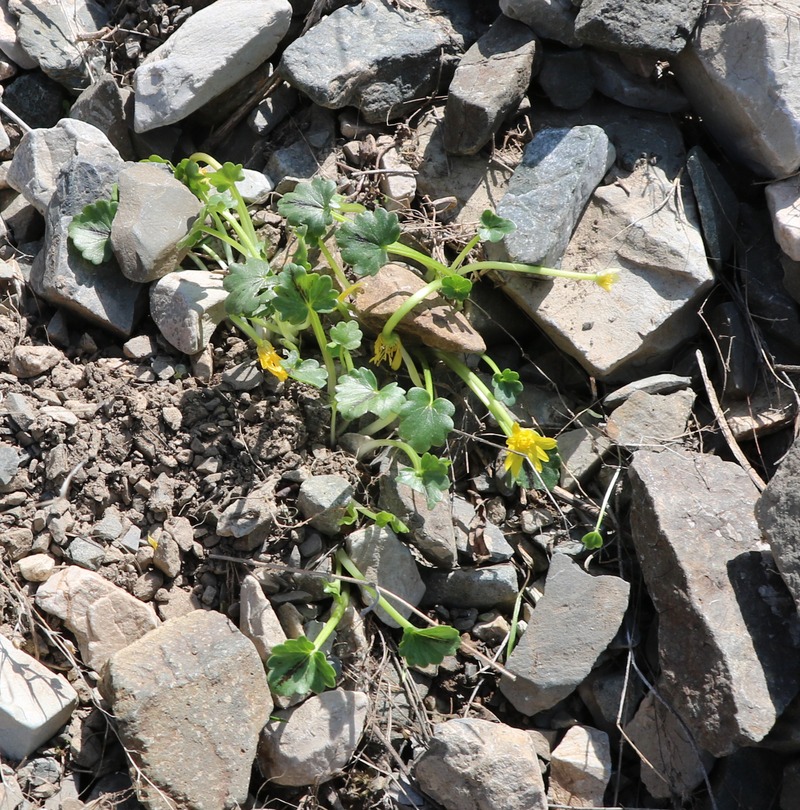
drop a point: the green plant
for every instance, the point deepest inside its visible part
(593, 539)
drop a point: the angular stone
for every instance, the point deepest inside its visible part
(155, 212)
(308, 745)
(37, 567)
(566, 78)
(573, 623)
(323, 500)
(489, 83)
(494, 586)
(31, 361)
(167, 557)
(9, 43)
(257, 619)
(385, 561)
(103, 617)
(783, 201)
(638, 26)
(187, 306)
(43, 153)
(398, 183)
(657, 384)
(249, 517)
(551, 19)
(725, 620)
(581, 452)
(473, 764)
(195, 65)
(753, 112)
(432, 322)
(483, 542)
(103, 105)
(560, 169)
(580, 767)
(736, 354)
(193, 691)
(647, 420)
(385, 58)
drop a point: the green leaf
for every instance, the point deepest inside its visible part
(494, 228)
(310, 204)
(592, 540)
(549, 477)
(298, 291)
(250, 287)
(297, 668)
(432, 479)
(456, 288)
(227, 177)
(506, 386)
(421, 646)
(90, 231)
(309, 372)
(193, 177)
(346, 334)
(358, 392)
(363, 241)
(392, 521)
(425, 424)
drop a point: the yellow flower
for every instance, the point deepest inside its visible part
(389, 349)
(606, 279)
(270, 361)
(526, 443)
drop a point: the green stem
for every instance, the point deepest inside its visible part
(334, 265)
(411, 367)
(203, 157)
(437, 268)
(374, 444)
(378, 424)
(492, 365)
(322, 341)
(340, 606)
(606, 499)
(464, 253)
(249, 245)
(516, 267)
(244, 326)
(409, 304)
(426, 370)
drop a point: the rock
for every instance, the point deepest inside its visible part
(181, 531)
(745, 778)
(473, 764)
(192, 691)
(492, 629)
(783, 201)
(257, 619)
(557, 651)
(610, 696)
(86, 553)
(249, 517)
(9, 463)
(36, 100)
(46, 30)
(660, 27)
(103, 617)
(671, 763)
(398, 183)
(212, 62)
(580, 767)
(268, 113)
(323, 501)
(187, 306)
(581, 452)
(167, 557)
(551, 19)
(715, 592)
(566, 78)
(385, 59)
(489, 83)
(385, 561)
(242, 377)
(155, 213)
(657, 384)
(478, 539)
(103, 105)
(309, 744)
(753, 112)
(11, 796)
(34, 703)
(255, 187)
(560, 169)
(432, 322)
(494, 586)
(9, 43)
(43, 153)
(736, 353)
(37, 567)
(148, 585)
(308, 156)
(647, 420)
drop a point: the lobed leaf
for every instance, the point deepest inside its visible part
(507, 386)
(425, 423)
(456, 288)
(431, 480)
(90, 231)
(309, 372)
(592, 540)
(421, 646)
(310, 205)
(297, 668)
(358, 392)
(364, 240)
(346, 334)
(250, 287)
(493, 228)
(298, 291)
(227, 177)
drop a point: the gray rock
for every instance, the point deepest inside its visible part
(43, 153)
(726, 620)
(560, 169)
(482, 540)
(323, 500)
(306, 156)
(36, 99)
(255, 187)
(196, 64)
(47, 31)
(489, 83)
(250, 516)
(473, 764)
(783, 201)
(386, 562)
(494, 586)
(243, 376)
(736, 353)
(753, 112)
(257, 619)
(192, 691)
(155, 213)
(187, 306)
(638, 26)
(167, 557)
(31, 361)
(557, 651)
(308, 745)
(551, 19)
(9, 463)
(657, 384)
(651, 420)
(268, 113)
(103, 105)
(580, 768)
(566, 78)
(9, 44)
(581, 452)
(609, 694)
(385, 59)
(86, 553)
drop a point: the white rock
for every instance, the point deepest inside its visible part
(399, 184)
(580, 767)
(783, 201)
(37, 567)
(103, 617)
(257, 619)
(198, 63)
(34, 702)
(9, 43)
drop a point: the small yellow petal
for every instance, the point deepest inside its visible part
(270, 361)
(606, 279)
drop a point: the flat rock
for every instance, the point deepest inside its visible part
(580, 767)
(34, 702)
(257, 618)
(581, 452)
(753, 112)
(725, 618)
(473, 764)
(647, 420)
(551, 19)
(31, 361)
(9, 42)
(192, 691)
(196, 64)
(572, 625)
(656, 384)
(103, 104)
(489, 83)
(323, 501)
(783, 201)
(103, 617)
(155, 212)
(250, 518)
(494, 586)
(386, 562)
(310, 744)
(478, 539)
(566, 78)
(187, 306)
(432, 322)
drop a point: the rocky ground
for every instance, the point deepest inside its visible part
(169, 509)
